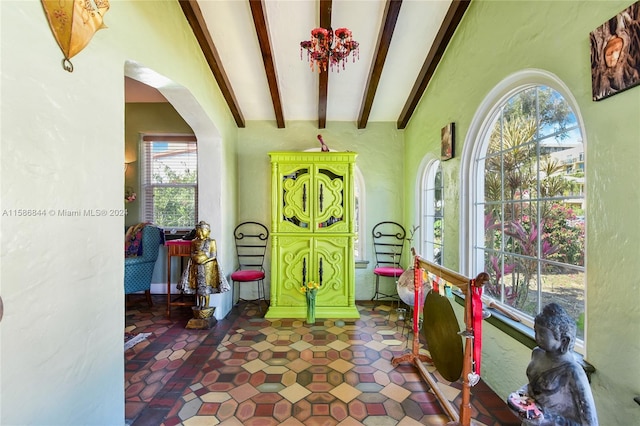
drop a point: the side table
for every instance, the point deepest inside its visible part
(176, 248)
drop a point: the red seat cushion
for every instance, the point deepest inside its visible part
(247, 275)
(388, 271)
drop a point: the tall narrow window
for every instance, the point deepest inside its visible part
(531, 166)
(433, 213)
(359, 191)
(170, 180)
(359, 212)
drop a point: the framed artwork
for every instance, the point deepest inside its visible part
(615, 54)
(448, 141)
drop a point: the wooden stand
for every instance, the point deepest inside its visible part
(462, 418)
(176, 248)
(415, 352)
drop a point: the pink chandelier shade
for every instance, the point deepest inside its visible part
(329, 49)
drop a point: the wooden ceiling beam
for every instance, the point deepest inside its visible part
(389, 20)
(445, 34)
(194, 16)
(262, 31)
(323, 86)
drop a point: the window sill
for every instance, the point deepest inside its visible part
(523, 334)
(168, 236)
(362, 264)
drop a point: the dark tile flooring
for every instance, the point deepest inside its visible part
(248, 370)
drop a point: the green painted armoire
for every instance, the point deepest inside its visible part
(312, 233)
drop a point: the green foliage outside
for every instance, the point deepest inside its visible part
(174, 197)
(531, 229)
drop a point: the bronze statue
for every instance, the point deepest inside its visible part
(558, 392)
(203, 275)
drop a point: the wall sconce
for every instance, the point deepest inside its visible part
(126, 165)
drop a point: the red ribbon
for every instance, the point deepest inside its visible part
(476, 310)
(417, 293)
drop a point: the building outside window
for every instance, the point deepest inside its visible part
(432, 225)
(170, 181)
(532, 172)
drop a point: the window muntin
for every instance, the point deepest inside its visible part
(532, 169)
(170, 181)
(433, 213)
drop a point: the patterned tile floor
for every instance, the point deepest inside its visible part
(248, 370)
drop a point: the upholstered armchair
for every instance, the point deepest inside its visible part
(141, 252)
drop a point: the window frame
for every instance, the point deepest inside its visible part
(472, 187)
(359, 198)
(427, 211)
(147, 186)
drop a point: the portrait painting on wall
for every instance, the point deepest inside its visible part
(615, 54)
(448, 141)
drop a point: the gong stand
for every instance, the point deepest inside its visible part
(417, 308)
(467, 286)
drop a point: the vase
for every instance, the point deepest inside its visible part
(311, 308)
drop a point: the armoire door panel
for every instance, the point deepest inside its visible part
(296, 209)
(330, 257)
(329, 207)
(294, 256)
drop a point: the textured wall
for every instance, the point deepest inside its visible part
(379, 159)
(145, 118)
(495, 40)
(63, 149)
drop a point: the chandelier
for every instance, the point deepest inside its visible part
(329, 48)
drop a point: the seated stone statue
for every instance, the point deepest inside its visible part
(557, 384)
(203, 275)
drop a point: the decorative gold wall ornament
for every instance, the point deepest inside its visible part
(73, 23)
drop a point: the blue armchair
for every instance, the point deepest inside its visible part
(141, 253)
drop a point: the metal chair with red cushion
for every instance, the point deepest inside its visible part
(388, 242)
(251, 246)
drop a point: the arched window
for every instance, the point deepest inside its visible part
(361, 236)
(527, 181)
(432, 213)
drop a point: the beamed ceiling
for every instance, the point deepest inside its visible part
(253, 50)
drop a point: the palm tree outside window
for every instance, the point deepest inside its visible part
(533, 173)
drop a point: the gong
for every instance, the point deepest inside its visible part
(406, 288)
(441, 332)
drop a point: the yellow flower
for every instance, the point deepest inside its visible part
(310, 287)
